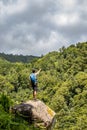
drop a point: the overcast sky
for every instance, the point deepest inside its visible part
(36, 27)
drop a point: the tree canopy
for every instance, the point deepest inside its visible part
(63, 85)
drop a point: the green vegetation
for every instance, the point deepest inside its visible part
(63, 81)
(18, 58)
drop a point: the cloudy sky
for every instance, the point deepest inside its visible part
(36, 27)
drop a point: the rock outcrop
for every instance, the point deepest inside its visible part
(35, 111)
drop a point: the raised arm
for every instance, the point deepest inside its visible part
(38, 72)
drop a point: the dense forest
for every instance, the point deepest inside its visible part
(63, 85)
(18, 58)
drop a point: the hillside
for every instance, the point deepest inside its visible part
(18, 58)
(62, 85)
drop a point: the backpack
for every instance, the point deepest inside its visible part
(33, 78)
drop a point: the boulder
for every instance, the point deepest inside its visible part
(37, 112)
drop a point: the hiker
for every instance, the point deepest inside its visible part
(33, 79)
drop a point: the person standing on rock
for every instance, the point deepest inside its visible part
(33, 79)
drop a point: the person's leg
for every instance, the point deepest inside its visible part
(34, 94)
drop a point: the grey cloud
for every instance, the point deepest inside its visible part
(5, 2)
(24, 31)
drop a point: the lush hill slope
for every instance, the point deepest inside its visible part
(62, 81)
(18, 58)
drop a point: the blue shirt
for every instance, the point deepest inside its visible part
(33, 78)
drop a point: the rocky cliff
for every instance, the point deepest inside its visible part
(35, 111)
